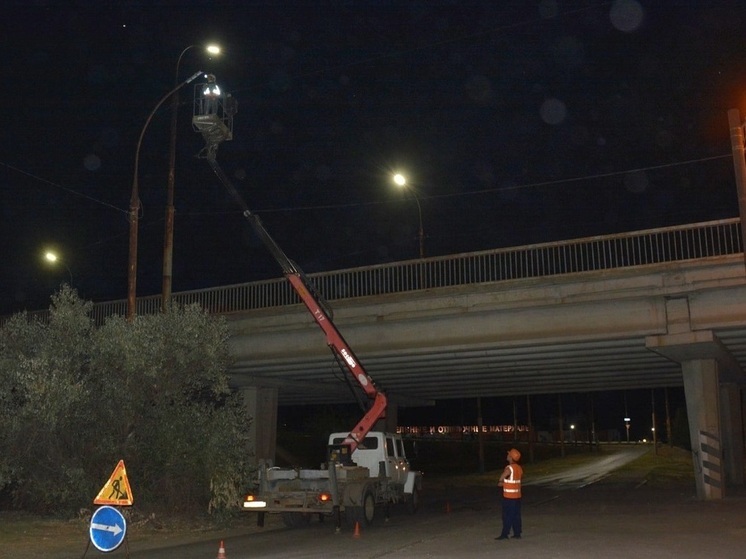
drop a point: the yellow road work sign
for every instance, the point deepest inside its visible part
(117, 490)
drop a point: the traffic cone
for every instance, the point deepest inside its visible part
(448, 506)
(356, 534)
(221, 551)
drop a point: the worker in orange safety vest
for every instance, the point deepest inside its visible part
(510, 481)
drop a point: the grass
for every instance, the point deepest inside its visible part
(26, 536)
(668, 466)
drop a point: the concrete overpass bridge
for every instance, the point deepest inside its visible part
(656, 308)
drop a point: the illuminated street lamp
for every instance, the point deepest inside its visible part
(168, 237)
(401, 181)
(52, 257)
(135, 206)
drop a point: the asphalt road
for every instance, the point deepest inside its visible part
(594, 471)
(590, 514)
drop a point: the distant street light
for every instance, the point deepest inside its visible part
(168, 237)
(401, 181)
(54, 259)
(135, 206)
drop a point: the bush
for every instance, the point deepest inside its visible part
(74, 400)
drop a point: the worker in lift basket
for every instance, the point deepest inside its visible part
(510, 481)
(211, 93)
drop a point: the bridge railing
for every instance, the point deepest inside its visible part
(638, 248)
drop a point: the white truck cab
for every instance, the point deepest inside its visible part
(377, 448)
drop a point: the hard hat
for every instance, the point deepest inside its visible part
(210, 77)
(514, 454)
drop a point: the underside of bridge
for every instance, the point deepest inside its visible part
(672, 326)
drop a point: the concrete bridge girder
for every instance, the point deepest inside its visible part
(658, 326)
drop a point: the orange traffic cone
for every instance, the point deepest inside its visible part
(221, 551)
(448, 506)
(356, 534)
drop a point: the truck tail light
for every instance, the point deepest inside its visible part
(324, 497)
(251, 502)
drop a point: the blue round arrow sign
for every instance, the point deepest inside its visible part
(108, 528)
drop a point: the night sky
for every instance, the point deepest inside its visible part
(515, 121)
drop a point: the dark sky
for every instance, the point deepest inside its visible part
(516, 122)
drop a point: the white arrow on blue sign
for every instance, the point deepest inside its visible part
(108, 528)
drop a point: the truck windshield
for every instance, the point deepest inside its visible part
(369, 443)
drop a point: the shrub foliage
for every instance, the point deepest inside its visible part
(75, 399)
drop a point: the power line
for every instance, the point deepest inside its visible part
(483, 191)
(61, 187)
(381, 202)
(583, 178)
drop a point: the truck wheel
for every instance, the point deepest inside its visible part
(414, 501)
(296, 519)
(369, 507)
(363, 514)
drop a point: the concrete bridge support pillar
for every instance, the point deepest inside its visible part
(391, 421)
(732, 421)
(714, 409)
(262, 405)
(392, 418)
(702, 390)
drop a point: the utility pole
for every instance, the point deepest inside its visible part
(135, 207)
(530, 430)
(561, 425)
(655, 433)
(168, 234)
(739, 167)
(480, 435)
(669, 429)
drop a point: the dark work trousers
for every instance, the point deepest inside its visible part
(511, 517)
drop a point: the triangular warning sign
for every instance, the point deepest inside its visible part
(117, 490)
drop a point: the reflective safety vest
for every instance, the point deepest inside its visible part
(211, 90)
(512, 483)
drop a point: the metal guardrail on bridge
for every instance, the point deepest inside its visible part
(638, 248)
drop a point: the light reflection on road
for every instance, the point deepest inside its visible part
(589, 473)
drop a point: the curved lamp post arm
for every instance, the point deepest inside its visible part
(69, 272)
(135, 205)
(54, 259)
(401, 181)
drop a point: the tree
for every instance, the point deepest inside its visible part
(75, 399)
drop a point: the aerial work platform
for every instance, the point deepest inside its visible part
(212, 114)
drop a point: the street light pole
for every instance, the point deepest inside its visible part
(168, 236)
(52, 257)
(739, 166)
(401, 181)
(135, 206)
(421, 233)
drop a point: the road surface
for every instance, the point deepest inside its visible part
(584, 516)
(591, 472)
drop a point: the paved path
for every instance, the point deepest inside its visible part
(592, 472)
